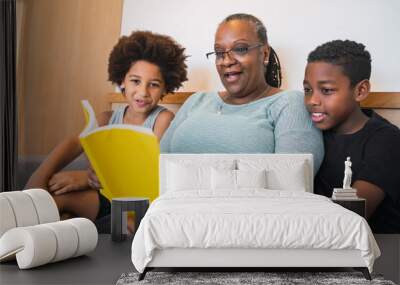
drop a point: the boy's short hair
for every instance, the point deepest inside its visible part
(354, 59)
(158, 49)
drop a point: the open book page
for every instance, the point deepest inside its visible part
(90, 116)
(125, 159)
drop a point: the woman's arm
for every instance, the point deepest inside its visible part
(294, 131)
(180, 117)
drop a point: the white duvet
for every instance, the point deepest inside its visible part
(250, 219)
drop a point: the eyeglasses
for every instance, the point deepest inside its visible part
(235, 52)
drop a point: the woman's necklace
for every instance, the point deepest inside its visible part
(263, 94)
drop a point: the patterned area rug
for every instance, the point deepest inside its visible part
(229, 278)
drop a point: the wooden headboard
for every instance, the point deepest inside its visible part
(173, 98)
(375, 100)
(386, 104)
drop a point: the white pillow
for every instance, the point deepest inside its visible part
(183, 178)
(288, 179)
(281, 175)
(236, 179)
(193, 174)
(223, 179)
(251, 178)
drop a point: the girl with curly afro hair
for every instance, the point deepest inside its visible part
(145, 66)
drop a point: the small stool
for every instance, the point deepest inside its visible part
(119, 207)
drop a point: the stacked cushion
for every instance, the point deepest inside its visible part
(31, 231)
(26, 208)
(40, 244)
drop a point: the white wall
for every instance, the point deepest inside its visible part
(294, 29)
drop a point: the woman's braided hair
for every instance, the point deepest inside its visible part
(273, 74)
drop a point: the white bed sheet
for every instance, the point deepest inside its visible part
(252, 218)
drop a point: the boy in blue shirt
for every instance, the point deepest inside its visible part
(336, 81)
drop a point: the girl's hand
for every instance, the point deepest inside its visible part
(93, 181)
(37, 181)
(67, 181)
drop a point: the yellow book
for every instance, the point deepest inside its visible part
(124, 157)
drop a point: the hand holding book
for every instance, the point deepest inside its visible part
(93, 180)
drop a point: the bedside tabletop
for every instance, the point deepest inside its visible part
(357, 205)
(104, 265)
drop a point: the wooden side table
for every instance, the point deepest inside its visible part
(119, 207)
(357, 205)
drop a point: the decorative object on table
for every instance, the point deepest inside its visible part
(119, 209)
(32, 233)
(347, 174)
(26, 208)
(345, 193)
(46, 243)
(243, 278)
(124, 157)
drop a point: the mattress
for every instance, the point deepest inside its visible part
(251, 219)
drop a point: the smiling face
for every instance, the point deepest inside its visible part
(331, 100)
(241, 75)
(144, 86)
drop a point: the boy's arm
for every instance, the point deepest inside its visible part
(378, 176)
(371, 193)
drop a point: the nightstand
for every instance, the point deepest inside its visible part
(357, 205)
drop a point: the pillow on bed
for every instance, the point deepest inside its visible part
(184, 175)
(289, 179)
(236, 179)
(281, 175)
(223, 179)
(251, 178)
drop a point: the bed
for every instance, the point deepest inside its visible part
(247, 210)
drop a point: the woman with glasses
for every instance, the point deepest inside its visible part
(252, 115)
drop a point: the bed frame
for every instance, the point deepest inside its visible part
(242, 259)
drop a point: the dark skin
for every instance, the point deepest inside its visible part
(334, 105)
(242, 76)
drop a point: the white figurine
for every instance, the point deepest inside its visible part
(347, 174)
